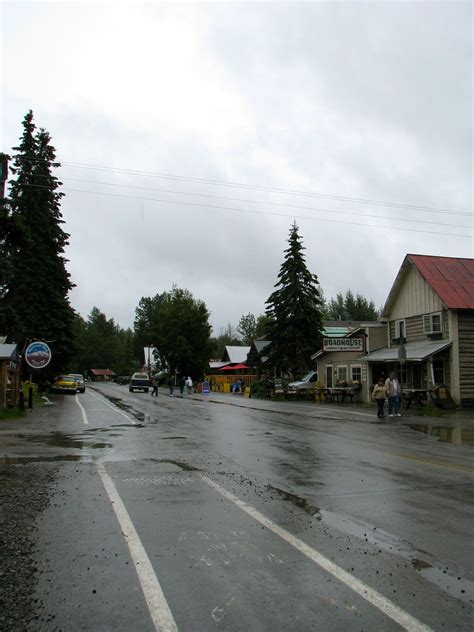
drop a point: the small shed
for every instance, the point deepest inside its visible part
(10, 372)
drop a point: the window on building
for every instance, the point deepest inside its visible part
(400, 329)
(438, 372)
(356, 374)
(432, 323)
(342, 373)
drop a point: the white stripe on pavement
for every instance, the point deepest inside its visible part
(155, 599)
(405, 620)
(160, 612)
(84, 416)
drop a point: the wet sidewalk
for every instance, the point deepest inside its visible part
(415, 414)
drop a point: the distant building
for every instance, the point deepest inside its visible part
(102, 375)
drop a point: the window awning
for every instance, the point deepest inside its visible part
(416, 351)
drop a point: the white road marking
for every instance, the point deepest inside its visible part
(404, 619)
(117, 410)
(160, 612)
(158, 606)
(84, 416)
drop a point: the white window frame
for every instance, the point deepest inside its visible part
(428, 323)
(356, 366)
(397, 328)
(338, 377)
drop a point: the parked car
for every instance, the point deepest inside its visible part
(123, 379)
(139, 382)
(81, 384)
(65, 384)
(307, 383)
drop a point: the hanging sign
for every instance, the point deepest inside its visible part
(38, 355)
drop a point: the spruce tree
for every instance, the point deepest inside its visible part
(34, 301)
(295, 308)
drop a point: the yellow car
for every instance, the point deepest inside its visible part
(65, 384)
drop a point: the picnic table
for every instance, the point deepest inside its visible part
(415, 396)
(337, 394)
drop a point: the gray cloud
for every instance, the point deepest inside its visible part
(365, 100)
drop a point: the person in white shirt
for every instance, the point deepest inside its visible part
(392, 388)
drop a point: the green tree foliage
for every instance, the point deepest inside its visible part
(34, 301)
(262, 326)
(103, 345)
(178, 326)
(350, 307)
(295, 308)
(247, 328)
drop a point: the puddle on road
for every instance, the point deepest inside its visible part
(446, 579)
(58, 440)
(447, 434)
(128, 426)
(298, 501)
(24, 460)
(127, 408)
(184, 466)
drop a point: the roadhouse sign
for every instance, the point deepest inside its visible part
(343, 344)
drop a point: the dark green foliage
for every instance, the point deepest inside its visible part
(295, 309)
(178, 326)
(103, 345)
(263, 325)
(247, 328)
(348, 307)
(34, 301)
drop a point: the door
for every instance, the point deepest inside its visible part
(329, 376)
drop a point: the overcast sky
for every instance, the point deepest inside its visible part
(343, 99)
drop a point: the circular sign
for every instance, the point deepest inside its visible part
(38, 355)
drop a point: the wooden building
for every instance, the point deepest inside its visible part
(10, 375)
(429, 319)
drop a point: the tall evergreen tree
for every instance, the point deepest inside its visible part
(34, 301)
(295, 309)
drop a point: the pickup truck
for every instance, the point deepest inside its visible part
(307, 383)
(139, 382)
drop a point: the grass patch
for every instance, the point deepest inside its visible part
(11, 413)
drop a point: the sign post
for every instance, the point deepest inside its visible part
(37, 356)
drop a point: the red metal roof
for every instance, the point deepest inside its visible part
(452, 278)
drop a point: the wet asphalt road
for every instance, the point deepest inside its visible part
(182, 513)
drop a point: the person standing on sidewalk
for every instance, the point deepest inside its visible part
(392, 388)
(189, 384)
(171, 384)
(379, 394)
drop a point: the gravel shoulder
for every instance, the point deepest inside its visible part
(24, 495)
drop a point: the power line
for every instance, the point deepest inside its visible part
(237, 210)
(230, 199)
(78, 165)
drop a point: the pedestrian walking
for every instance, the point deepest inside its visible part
(189, 384)
(154, 383)
(182, 384)
(392, 389)
(171, 385)
(379, 394)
